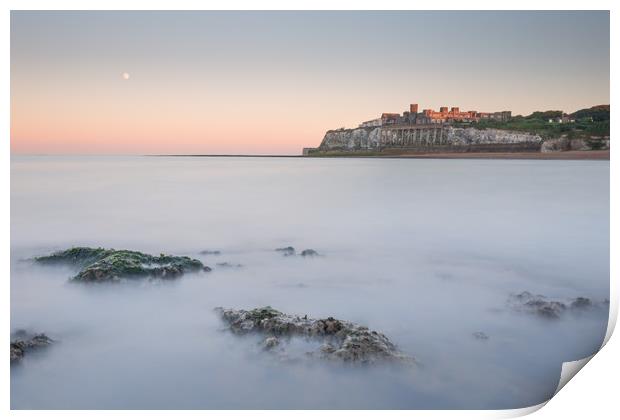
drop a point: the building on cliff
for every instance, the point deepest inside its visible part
(430, 116)
(440, 131)
(427, 131)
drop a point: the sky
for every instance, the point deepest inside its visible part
(206, 82)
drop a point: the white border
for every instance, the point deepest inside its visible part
(594, 394)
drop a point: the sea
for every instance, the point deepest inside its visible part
(425, 251)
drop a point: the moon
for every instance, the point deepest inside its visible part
(125, 76)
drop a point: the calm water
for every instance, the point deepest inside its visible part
(425, 251)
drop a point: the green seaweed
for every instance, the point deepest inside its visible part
(265, 312)
(99, 264)
(78, 256)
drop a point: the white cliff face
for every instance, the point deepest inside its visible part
(563, 144)
(352, 139)
(451, 139)
(374, 138)
(369, 139)
(466, 136)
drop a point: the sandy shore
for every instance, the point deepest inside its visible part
(572, 155)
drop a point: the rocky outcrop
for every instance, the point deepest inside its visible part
(339, 340)
(428, 138)
(550, 308)
(22, 343)
(77, 256)
(286, 251)
(468, 136)
(290, 251)
(309, 253)
(351, 139)
(110, 265)
(564, 144)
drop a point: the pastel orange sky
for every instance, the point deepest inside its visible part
(274, 82)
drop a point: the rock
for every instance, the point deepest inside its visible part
(270, 342)
(104, 265)
(564, 144)
(17, 352)
(24, 344)
(556, 145)
(581, 303)
(327, 348)
(77, 256)
(479, 335)
(289, 250)
(537, 304)
(457, 136)
(228, 265)
(547, 308)
(309, 253)
(340, 340)
(451, 139)
(352, 139)
(208, 252)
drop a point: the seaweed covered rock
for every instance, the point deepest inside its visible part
(22, 343)
(77, 256)
(286, 251)
(581, 303)
(309, 253)
(100, 265)
(548, 308)
(339, 340)
(289, 251)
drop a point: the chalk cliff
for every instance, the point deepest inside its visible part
(351, 139)
(433, 138)
(425, 138)
(466, 136)
(564, 144)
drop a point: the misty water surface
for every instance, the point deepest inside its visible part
(425, 251)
